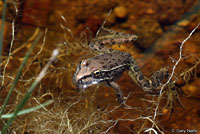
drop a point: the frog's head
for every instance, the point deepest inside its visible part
(87, 74)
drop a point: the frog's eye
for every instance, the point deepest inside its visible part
(96, 73)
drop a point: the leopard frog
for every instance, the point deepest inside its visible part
(110, 64)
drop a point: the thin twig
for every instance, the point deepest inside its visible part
(176, 62)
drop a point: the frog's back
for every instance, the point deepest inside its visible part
(116, 61)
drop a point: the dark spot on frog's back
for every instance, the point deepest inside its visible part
(96, 58)
(113, 59)
(116, 64)
(111, 65)
(105, 59)
(119, 60)
(110, 54)
(123, 55)
(101, 62)
(104, 66)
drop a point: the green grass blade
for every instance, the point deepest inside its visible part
(25, 111)
(19, 73)
(3, 18)
(29, 92)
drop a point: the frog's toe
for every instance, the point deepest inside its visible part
(173, 97)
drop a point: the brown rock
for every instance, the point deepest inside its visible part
(148, 30)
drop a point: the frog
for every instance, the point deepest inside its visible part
(109, 65)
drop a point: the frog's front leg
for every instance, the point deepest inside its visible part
(118, 91)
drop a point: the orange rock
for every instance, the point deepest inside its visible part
(120, 12)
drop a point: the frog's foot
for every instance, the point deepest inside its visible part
(173, 93)
(155, 82)
(158, 77)
(119, 93)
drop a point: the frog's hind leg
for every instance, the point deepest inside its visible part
(138, 77)
(105, 31)
(112, 32)
(119, 93)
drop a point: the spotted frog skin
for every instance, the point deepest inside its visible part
(110, 64)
